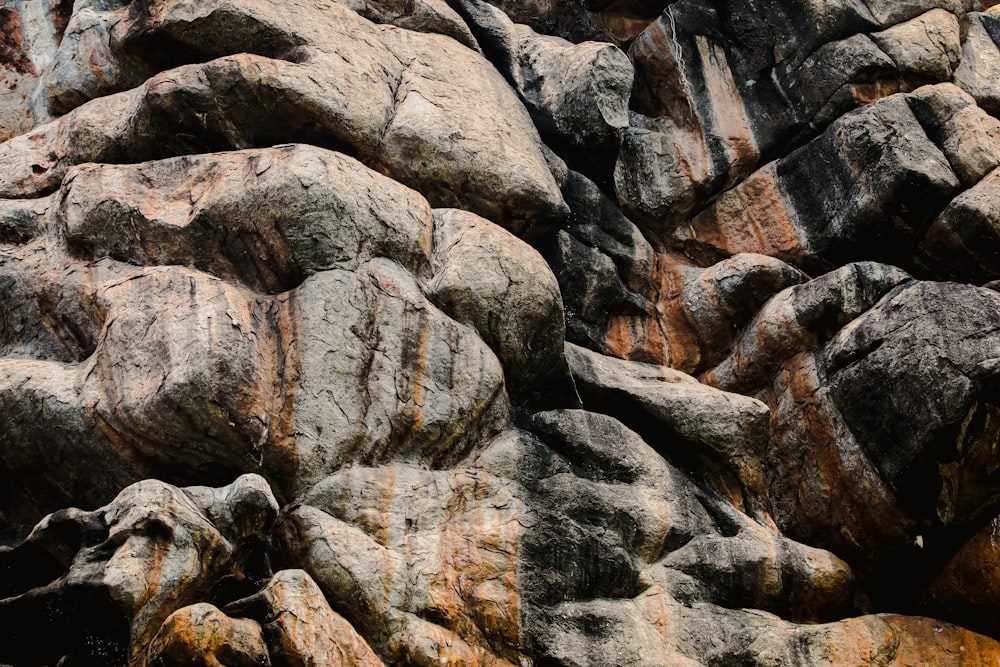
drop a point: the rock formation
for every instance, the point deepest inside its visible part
(507, 333)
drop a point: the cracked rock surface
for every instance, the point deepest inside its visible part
(499, 333)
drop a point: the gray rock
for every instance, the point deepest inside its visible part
(675, 412)
(489, 279)
(413, 87)
(263, 218)
(977, 73)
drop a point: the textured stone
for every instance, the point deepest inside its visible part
(491, 280)
(398, 95)
(435, 582)
(730, 428)
(263, 218)
(963, 242)
(102, 583)
(373, 320)
(626, 298)
(865, 189)
(967, 135)
(926, 47)
(203, 635)
(977, 73)
(299, 626)
(578, 96)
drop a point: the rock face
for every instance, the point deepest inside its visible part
(508, 333)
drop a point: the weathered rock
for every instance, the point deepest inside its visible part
(493, 281)
(263, 218)
(626, 299)
(673, 411)
(865, 189)
(409, 383)
(203, 635)
(101, 583)
(966, 588)
(413, 103)
(186, 296)
(963, 242)
(578, 97)
(926, 48)
(967, 135)
(977, 73)
(200, 379)
(902, 474)
(719, 87)
(933, 348)
(30, 31)
(299, 626)
(434, 582)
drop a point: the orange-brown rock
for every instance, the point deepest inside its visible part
(966, 587)
(203, 635)
(299, 626)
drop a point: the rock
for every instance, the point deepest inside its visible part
(52, 453)
(729, 428)
(977, 73)
(434, 16)
(965, 588)
(654, 620)
(926, 47)
(496, 283)
(365, 254)
(387, 573)
(263, 218)
(139, 400)
(836, 337)
(103, 582)
(799, 319)
(967, 135)
(30, 32)
(710, 104)
(299, 626)
(203, 635)
(408, 382)
(932, 346)
(577, 94)
(878, 160)
(410, 78)
(578, 97)
(963, 242)
(626, 299)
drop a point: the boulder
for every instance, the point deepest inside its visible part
(100, 584)
(977, 73)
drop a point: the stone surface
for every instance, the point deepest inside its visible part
(977, 73)
(299, 626)
(101, 583)
(506, 332)
(489, 279)
(410, 78)
(203, 635)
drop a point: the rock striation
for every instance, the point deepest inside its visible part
(500, 333)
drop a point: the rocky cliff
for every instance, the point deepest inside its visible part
(438, 332)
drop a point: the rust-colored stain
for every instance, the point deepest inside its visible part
(667, 333)
(12, 54)
(60, 16)
(752, 217)
(923, 641)
(829, 483)
(972, 577)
